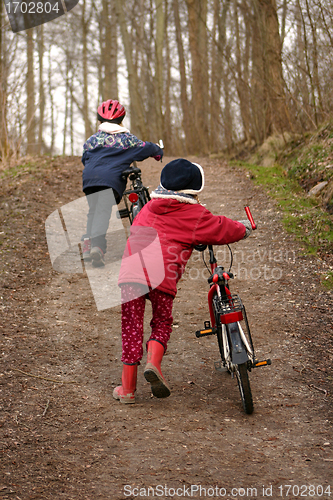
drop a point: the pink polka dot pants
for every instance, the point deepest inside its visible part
(133, 309)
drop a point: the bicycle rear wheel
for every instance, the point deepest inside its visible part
(244, 387)
(240, 369)
(136, 207)
(218, 328)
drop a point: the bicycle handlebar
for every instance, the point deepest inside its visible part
(249, 216)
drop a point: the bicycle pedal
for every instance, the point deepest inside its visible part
(266, 362)
(122, 213)
(219, 367)
(205, 333)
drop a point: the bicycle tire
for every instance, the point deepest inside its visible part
(135, 210)
(218, 328)
(136, 207)
(244, 387)
(241, 370)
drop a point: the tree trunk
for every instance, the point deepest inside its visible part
(242, 76)
(258, 89)
(227, 115)
(270, 112)
(146, 65)
(313, 100)
(30, 90)
(316, 81)
(197, 17)
(301, 91)
(186, 121)
(138, 123)
(278, 117)
(85, 29)
(67, 97)
(50, 90)
(215, 83)
(41, 88)
(167, 134)
(109, 51)
(159, 64)
(225, 53)
(71, 111)
(4, 148)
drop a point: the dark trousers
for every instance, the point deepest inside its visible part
(100, 199)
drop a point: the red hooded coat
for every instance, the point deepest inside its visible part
(179, 227)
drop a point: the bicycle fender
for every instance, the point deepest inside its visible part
(238, 351)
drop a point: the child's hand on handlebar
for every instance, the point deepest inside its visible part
(161, 146)
(248, 227)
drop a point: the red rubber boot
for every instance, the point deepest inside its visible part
(125, 392)
(152, 373)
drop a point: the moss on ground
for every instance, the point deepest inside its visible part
(302, 215)
(288, 167)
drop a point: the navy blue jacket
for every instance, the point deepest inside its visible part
(106, 156)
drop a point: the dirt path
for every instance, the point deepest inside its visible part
(71, 440)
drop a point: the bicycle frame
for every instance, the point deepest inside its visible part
(135, 197)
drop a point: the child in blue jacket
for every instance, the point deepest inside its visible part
(106, 155)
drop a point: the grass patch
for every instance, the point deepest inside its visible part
(28, 165)
(18, 170)
(302, 216)
(311, 165)
(327, 280)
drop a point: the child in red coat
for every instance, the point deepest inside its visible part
(163, 234)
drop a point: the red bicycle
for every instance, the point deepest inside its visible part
(228, 321)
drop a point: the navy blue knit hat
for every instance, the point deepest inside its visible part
(182, 175)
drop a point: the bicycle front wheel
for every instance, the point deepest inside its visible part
(244, 387)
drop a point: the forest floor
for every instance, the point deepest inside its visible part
(63, 436)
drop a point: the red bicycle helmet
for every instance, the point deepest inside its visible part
(111, 111)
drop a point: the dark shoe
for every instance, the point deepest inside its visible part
(86, 247)
(97, 256)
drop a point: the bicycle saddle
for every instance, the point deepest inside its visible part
(201, 247)
(129, 171)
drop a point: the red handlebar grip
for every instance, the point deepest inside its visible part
(249, 216)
